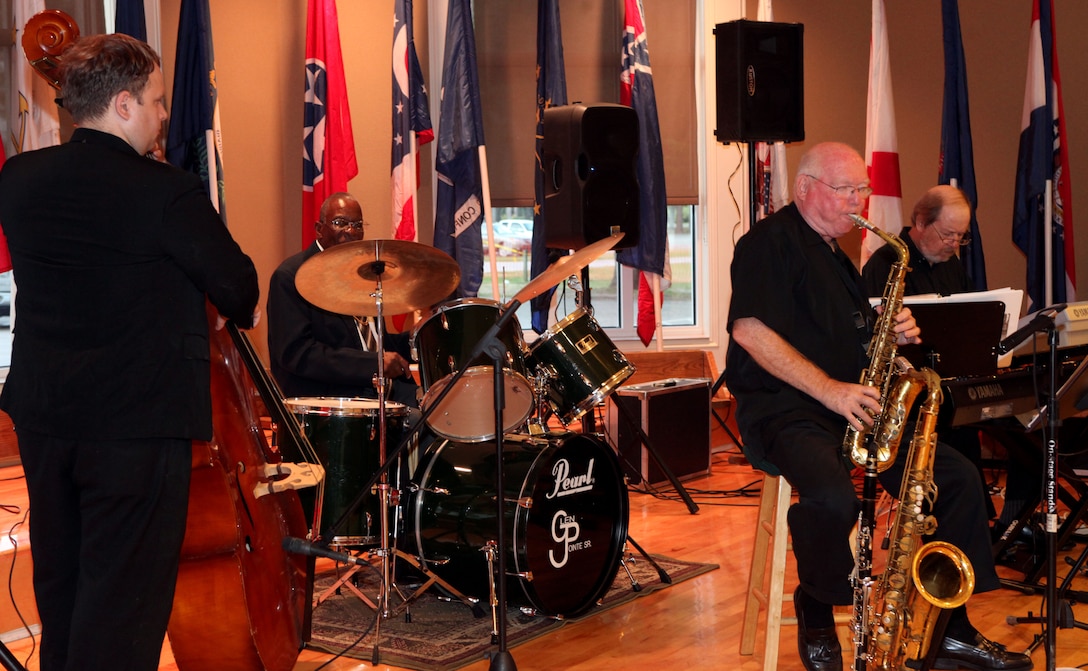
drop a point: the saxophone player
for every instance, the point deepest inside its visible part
(799, 321)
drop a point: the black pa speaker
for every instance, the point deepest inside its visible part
(590, 180)
(761, 93)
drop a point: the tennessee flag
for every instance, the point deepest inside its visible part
(637, 91)
(411, 122)
(881, 144)
(328, 148)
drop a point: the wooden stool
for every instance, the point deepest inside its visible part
(772, 534)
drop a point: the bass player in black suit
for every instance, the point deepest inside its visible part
(115, 257)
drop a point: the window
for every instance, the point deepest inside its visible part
(592, 43)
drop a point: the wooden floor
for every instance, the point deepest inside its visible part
(693, 625)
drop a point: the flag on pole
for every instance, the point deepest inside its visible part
(773, 192)
(1043, 157)
(5, 255)
(129, 19)
(195, 139)
(551, 91)
(957, 158)
(637, 91)
(460, 208)
(33, 122)
(881, 145)
(411, 122)
(328, 147)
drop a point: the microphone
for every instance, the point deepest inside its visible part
(303, 547)
(1044, 319)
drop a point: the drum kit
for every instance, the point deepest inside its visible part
(488, 398)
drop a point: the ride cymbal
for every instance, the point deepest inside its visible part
(344, 279)
(565, 267)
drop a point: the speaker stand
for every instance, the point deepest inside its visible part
(753, 190)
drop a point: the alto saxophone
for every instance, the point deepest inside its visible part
(883, 365)
(894, 615)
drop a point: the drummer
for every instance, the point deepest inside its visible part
(314, 352)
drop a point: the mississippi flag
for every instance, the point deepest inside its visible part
(637, 91)
(957, 159)
(460, 208)
(551, 91)
(328, 148)
(773, 190)
(1044, 156)
(194, 141)
(881, 145)
(411, 122)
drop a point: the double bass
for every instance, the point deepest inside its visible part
(241, 602)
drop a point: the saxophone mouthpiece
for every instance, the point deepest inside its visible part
(860, 221)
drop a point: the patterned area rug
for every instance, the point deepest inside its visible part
(444, 634)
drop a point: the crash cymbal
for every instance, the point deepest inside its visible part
(565, 267)
(343, 278)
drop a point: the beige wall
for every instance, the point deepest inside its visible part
(995, 34)
(259, 50)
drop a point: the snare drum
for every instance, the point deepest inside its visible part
(443, 343)
(581, 365)
(566, 520)
(344, 433)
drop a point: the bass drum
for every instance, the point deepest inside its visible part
(566, 518)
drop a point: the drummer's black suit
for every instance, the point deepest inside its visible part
(314, 352)
(113, 255)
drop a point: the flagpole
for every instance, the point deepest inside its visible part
(1048, 245)
(485, 187)
(655, 284)
(413, 160)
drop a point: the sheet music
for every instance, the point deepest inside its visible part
(1013, 299)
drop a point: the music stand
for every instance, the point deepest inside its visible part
(944, 347)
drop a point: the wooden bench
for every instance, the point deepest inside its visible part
(688, 363)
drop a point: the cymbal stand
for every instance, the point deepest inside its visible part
(8, 661)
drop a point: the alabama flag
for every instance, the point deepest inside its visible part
(881, 145)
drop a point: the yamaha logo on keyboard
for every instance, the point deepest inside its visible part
(982, 392)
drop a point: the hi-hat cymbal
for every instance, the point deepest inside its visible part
(565, 267)
(343, 279)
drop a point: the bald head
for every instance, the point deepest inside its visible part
(341, 221)
(832, 183)
(940, 222)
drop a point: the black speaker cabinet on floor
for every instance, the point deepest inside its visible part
(760, 73)
(590, 182)
(675, 415)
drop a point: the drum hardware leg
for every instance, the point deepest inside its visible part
(661, 573)
(626, 414)
(431, 581)
(345, 580)
(635, 587)
(489, 552)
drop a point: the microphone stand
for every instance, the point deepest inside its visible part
(1045, 322)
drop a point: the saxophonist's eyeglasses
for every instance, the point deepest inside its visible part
(847, 190)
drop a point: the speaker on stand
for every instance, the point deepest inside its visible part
(589, 157)
(760, 87)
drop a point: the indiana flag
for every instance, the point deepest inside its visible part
(551, 91)
(957, 158)
(411, 122)
(129, 18)
(195, 139)
(773, 190)
(637, 91)
(460, 208)
(33, 122)
(1044, 157)
(881, 145)
(328, 147)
